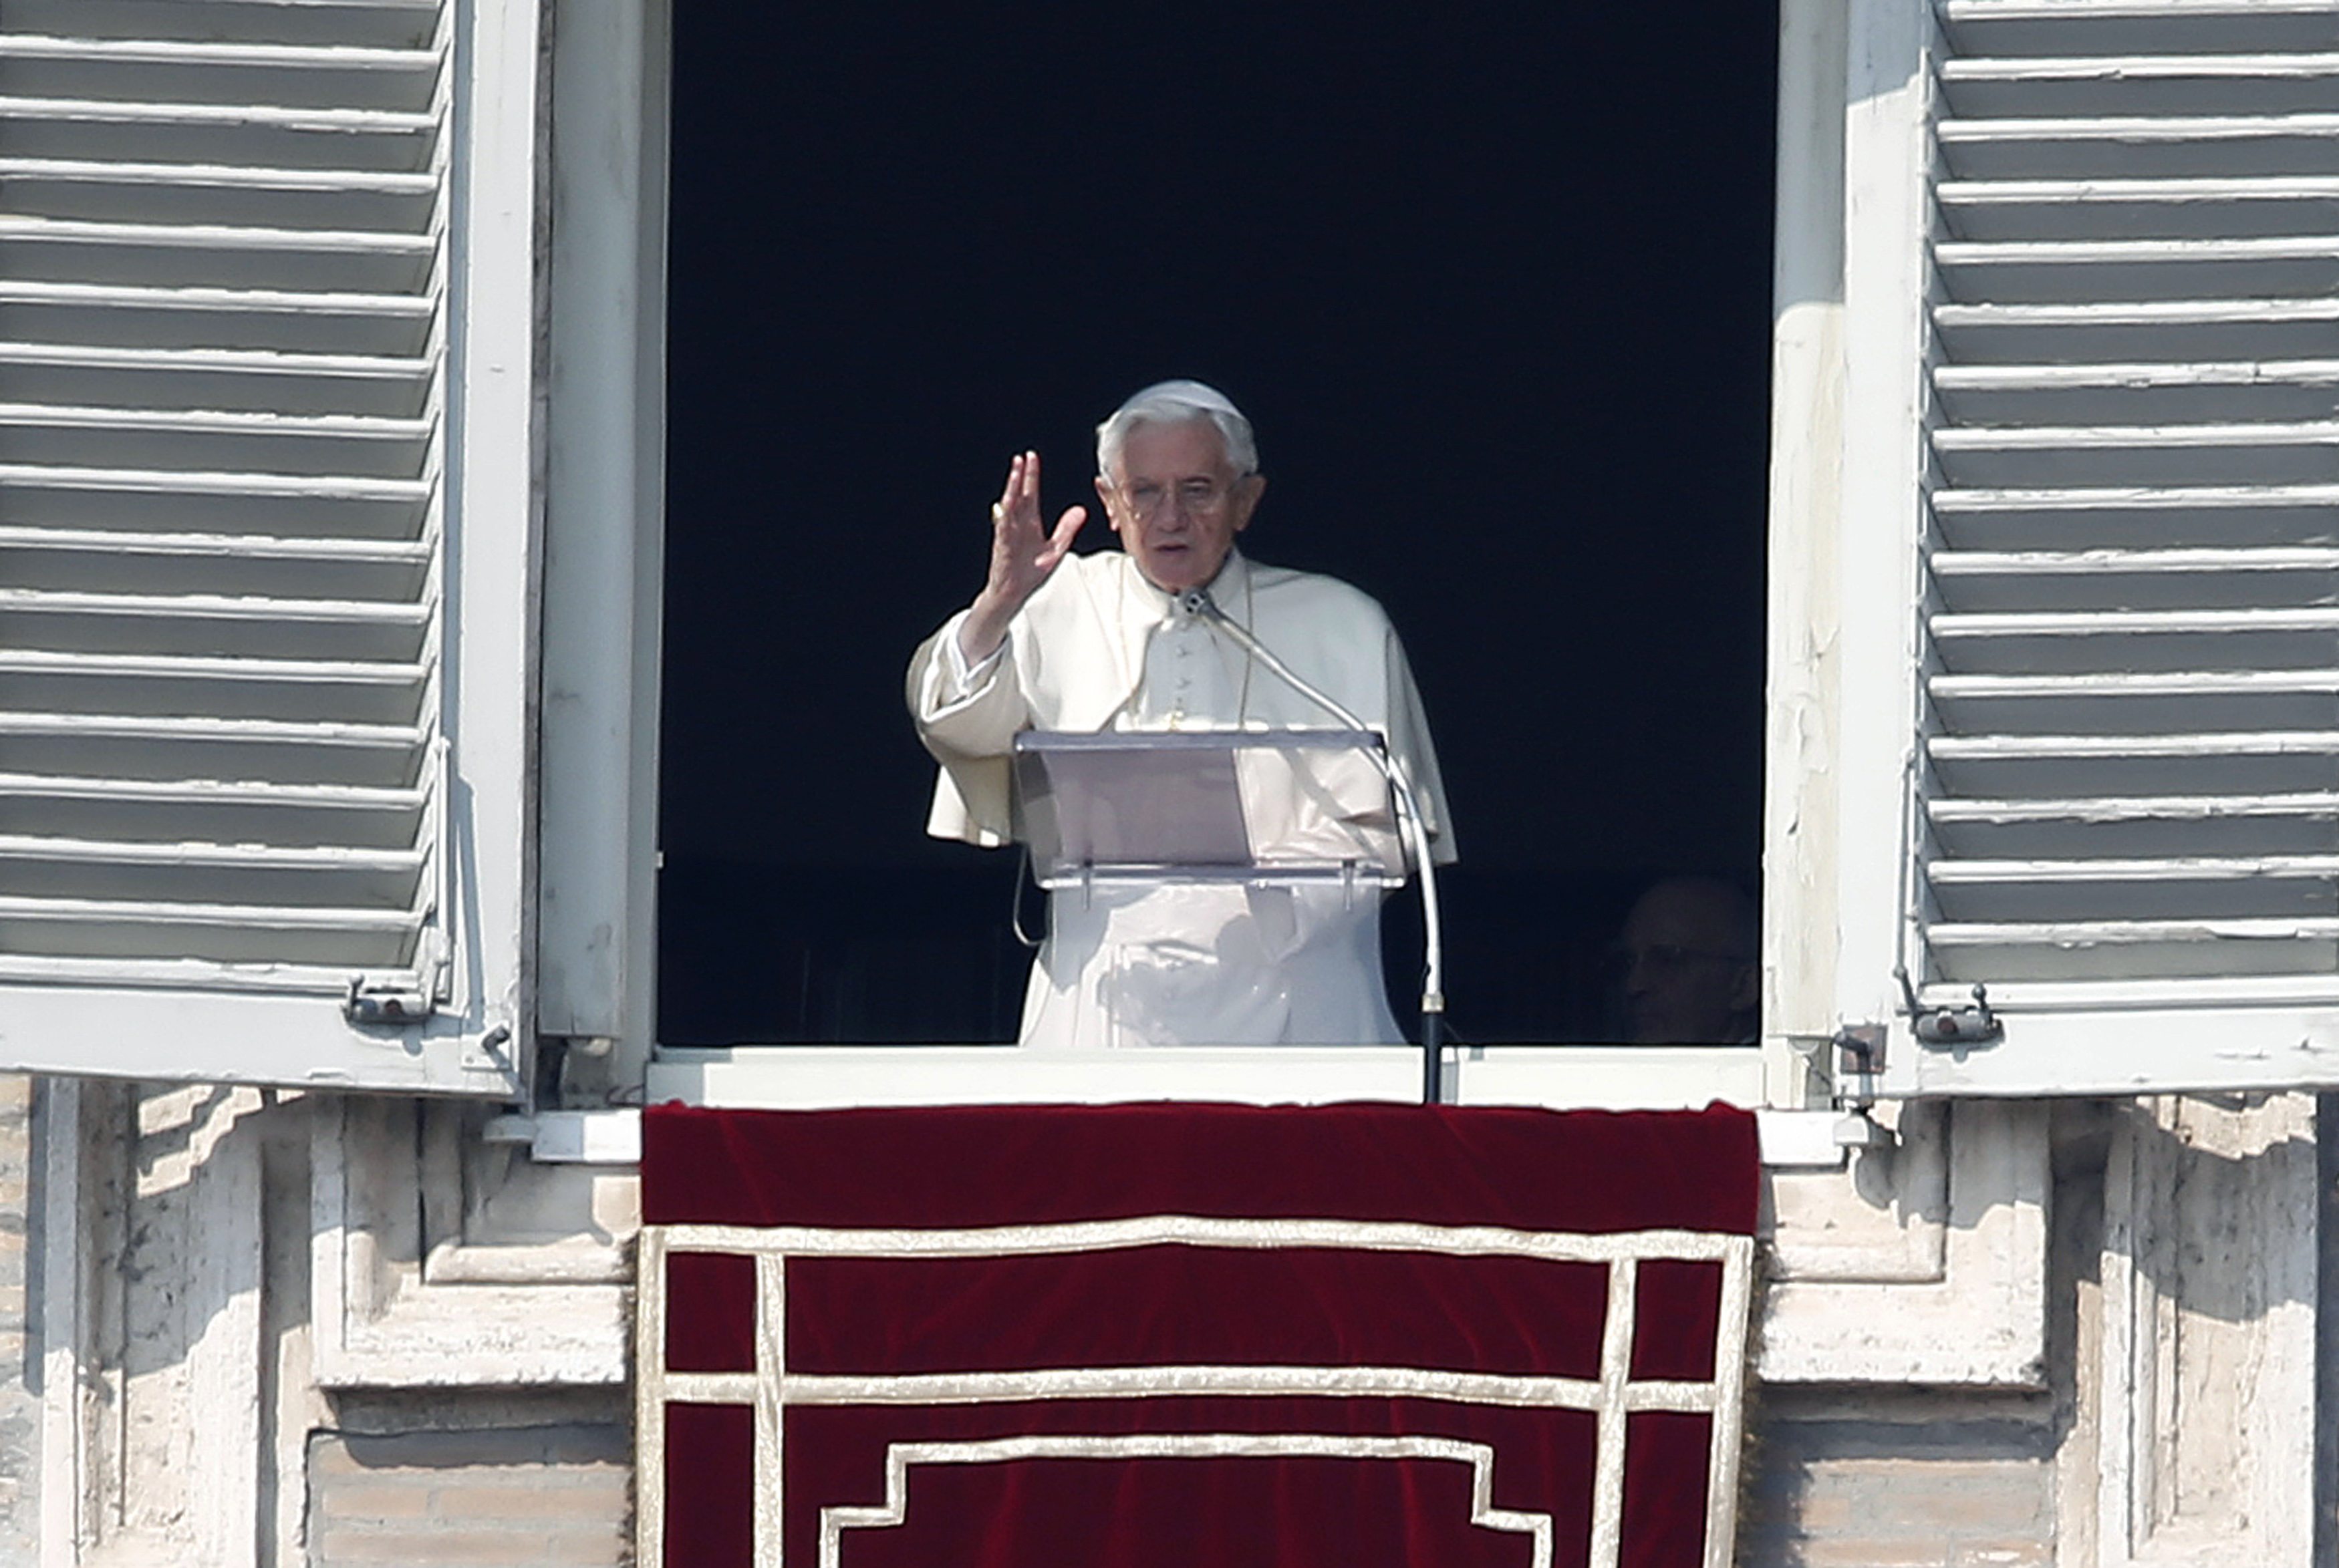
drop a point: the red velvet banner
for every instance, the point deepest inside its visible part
(1149, 1336)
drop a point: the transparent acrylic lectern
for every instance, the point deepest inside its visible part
(1207, 805)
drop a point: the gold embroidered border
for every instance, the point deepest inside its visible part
(770, 1388)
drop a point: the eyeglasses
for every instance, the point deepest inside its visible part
(1195, 498)
(1662, 957)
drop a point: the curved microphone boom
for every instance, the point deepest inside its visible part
(1198, 602)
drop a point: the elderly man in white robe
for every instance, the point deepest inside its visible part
(1058, 641)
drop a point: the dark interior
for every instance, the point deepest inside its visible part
(1491, 281)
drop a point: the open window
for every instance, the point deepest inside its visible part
(333, 515)
(1495, 295)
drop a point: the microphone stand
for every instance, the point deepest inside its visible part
(1198, 602)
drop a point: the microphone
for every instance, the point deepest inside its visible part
(1411, 823)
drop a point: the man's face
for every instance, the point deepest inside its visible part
(1177, 503)
(1684, 983)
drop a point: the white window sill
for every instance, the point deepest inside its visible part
(1567, 1078)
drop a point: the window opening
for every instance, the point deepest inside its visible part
(1497, 300)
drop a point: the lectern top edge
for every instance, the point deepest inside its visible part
(1044, 741)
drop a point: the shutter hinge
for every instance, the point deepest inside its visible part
(1952, 1028)
(1858, 1058)
(392, 1000)
(1859, 1051)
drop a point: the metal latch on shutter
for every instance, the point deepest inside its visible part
(410, 996)
(1952, 1028)
(391, 999)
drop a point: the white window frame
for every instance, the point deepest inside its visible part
(1883, 225)
(603, 579)
(596, 984)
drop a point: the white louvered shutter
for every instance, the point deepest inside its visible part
(2123, 796)
(238, 836)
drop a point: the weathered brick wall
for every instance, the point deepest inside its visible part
(525, 1497)
(1883, 1478)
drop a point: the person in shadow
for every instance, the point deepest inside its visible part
(1687, 964)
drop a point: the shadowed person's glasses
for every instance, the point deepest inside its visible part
(1665, 957)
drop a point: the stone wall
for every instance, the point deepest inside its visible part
(511, 1497)
(2178, 1289)
(20, 1403)
(1900, 1478)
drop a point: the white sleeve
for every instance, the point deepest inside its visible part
(965, 710)
(961, 677)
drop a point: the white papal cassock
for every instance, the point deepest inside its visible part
(1099, 647)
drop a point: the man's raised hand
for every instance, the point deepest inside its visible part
(1024, 555)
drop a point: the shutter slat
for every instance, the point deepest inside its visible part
(1998, 775)
(240, 547)
(216, 809)
(2175, 456)
(2175, 827)
(2047, 29)
(2129, 950)
(2318, 803)
(413, 124)
(2218, 684)
(2209, 146)
(340, 884)
(2069, 85)
(217, 421)
(126, 814)
(196, 853)
(220, 934)
(236, 139)
(2021, 272)
(213, 237)
(2139, 393)
(340, 613)
(389, 23)
(107, 357)
(2134, 704)
(2127, 642)
(2126, 331)
(2138, 518)
(328, 450)
(112, 51)
(208, 792)
(320, 734)
(1984, 581)
(307, 486)
(91, 560)
(201, 667)
(150, 693)
(24, 292)
(2112, 210)
(238, 920)
(182, 973)
(210, 178)
(220, 750)
(2135, 884)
